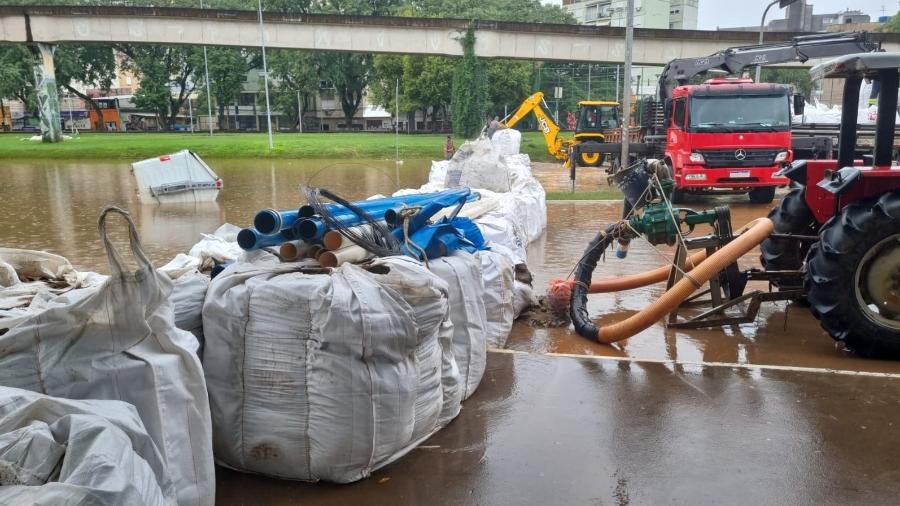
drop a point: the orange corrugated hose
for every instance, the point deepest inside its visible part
(701, 273)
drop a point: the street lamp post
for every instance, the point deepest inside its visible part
(262, 43)
(762, 24)
(209, 119)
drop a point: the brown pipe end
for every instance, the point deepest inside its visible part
(328, 259)
(332, 240)
(288, 251)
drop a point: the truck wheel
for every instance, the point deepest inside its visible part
(762, 195)
(791, 216)
(589, 159)
(854, 276)
(677, 196)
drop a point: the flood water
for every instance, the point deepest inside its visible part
(53, 205)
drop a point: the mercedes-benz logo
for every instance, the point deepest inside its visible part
(740, 154)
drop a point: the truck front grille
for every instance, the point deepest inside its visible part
(732, 157)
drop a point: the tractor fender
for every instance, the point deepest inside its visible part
(841, 180)
(796, 172)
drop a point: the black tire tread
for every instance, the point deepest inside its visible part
(762, 195)
(791, 216)
(832, 264)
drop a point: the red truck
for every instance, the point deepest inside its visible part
(731, 135)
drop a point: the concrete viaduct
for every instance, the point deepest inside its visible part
(434, 36)
(46, 26)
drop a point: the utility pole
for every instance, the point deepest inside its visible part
(626, 89)
(262, 43)
(209, 119)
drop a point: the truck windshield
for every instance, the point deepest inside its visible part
(740, 113)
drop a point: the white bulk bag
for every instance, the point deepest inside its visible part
(507, 141)
(29, 280)
(323, 374)
(119, 342)
(499, 276)
(462, 272)
(60, 451)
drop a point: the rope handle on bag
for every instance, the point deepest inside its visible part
(116, 263)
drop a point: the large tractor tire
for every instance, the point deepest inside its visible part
(762, 195)
(791, 216)
(853, 281)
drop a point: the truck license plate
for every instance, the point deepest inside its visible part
(739, 173)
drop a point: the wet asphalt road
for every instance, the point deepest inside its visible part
(763, 413)
(545, 429)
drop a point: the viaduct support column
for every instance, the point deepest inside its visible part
(47, 95)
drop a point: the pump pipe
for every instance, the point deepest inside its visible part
(671, 299)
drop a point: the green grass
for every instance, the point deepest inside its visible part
(595, 195)
(136, 146)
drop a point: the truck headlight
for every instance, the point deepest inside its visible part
(695, 177)
(696, 157)
(781, 156)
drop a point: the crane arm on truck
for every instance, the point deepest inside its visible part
(735, 59)
(556, 145)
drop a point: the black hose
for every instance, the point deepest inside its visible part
(377, 239)
(583, 273)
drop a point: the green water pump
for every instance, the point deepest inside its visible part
(661, 224)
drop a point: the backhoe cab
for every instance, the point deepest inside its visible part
(595, 119)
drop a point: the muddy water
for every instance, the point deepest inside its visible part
(53, 206)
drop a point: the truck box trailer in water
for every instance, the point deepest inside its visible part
(181, 177)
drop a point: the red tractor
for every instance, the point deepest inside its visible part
(838, 232)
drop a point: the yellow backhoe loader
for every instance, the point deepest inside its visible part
(595, 119)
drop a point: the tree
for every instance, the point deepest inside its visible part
(798, 78)
(167, 78)
(228, 69)
(92, 64)
(469, 90)
(293, 72)
(349, 74)
(892, 25)
(16, 75)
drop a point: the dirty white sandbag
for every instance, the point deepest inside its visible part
(61, 451)
(499, 275)
(188, 292)
(476, 164)
(462, 272)
(220, 246)
(507, 141)
(313, 374)
(26, 273)
(119, 342)
(498, 228)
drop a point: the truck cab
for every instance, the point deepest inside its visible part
(728, 135)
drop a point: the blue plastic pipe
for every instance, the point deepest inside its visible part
(270, 221)
(250, 239)
(372, 204)
(312, 229)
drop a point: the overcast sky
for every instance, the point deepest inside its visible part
(724, 13)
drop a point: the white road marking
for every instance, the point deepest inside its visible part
(731, 365)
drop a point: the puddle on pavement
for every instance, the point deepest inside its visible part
(53, 206)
